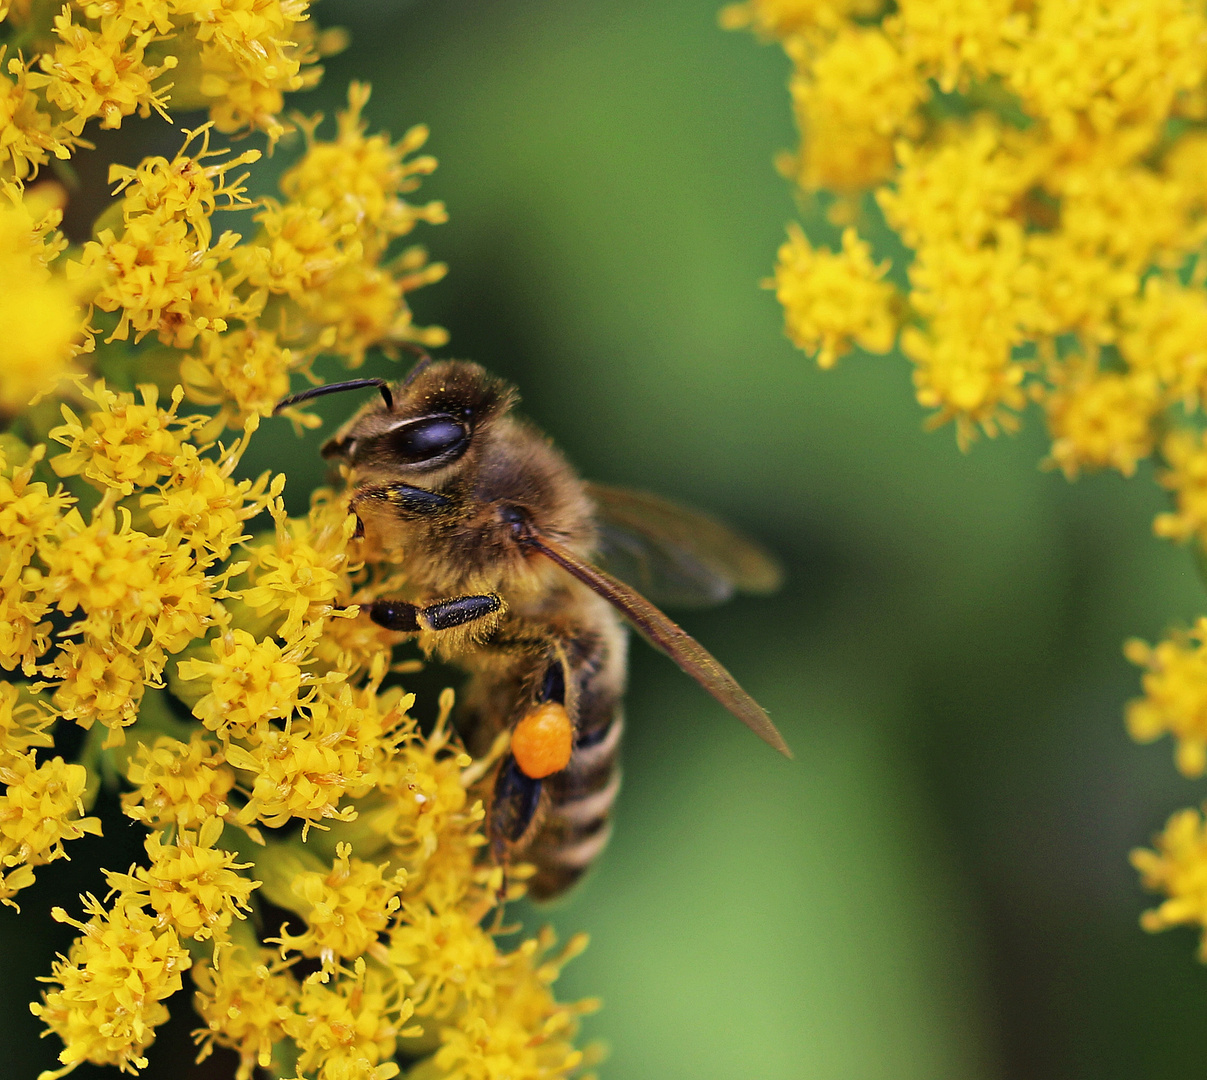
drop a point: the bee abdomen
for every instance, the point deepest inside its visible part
(576, 826)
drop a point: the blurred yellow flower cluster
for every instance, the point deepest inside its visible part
(1044, 164)
(211, 647)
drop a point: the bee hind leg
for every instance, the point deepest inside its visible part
(513, 807)
(443, 615)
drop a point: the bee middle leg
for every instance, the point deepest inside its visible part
(441, 615)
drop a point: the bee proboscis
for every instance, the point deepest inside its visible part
(501, 540)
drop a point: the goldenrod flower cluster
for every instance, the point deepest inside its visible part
(1044, 163)
(211, 647)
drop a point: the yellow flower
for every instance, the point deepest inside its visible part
(852, 101)
(358, 180)
(964, 359)
(345, 910)
(246, 685)
(102, 72)
(293, 776)
(142, 587)
(833, 301)
(491, 1037)
(348, 1026)
(114, 981)
(1034, 211)
(1175, 701)
(97, 683)
(1104, 65)
(1186, 453)
(451, 959)
(245, 1004)
(194, 887)
(1102, 420)
(1043, 164)
(249, 56)
(297, 575)
(41, 324)
(42, 806)
(176, 783)
(23, 725)
(1177, 868)
(784, 17)
(201, 507)
(125, 444)
(1165, 332)
(246, 372)
(29, 135)
(954, 42)
(29, 514)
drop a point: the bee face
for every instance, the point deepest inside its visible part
(429, 424)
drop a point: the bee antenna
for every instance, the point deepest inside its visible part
(424, 356)
(335, 388)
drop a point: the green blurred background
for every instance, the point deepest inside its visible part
(937, 887)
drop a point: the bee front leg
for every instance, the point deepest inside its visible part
(405, 499)
(442, 615)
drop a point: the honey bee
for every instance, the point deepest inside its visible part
(502, 542)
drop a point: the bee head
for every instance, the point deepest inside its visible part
(423, 424)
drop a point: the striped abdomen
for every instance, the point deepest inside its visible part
(575, 826)
(558, 822)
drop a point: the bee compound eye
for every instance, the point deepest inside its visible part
(433, 437)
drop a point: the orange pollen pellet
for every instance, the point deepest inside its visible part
(542, 741)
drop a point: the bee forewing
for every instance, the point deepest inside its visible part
(665, 635)
(676, 555)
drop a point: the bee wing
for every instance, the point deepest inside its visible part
(665, 635)
(680, 557)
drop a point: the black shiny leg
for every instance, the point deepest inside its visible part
(512, 807)
(395, 615)
(407, 500)
(442, 615)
